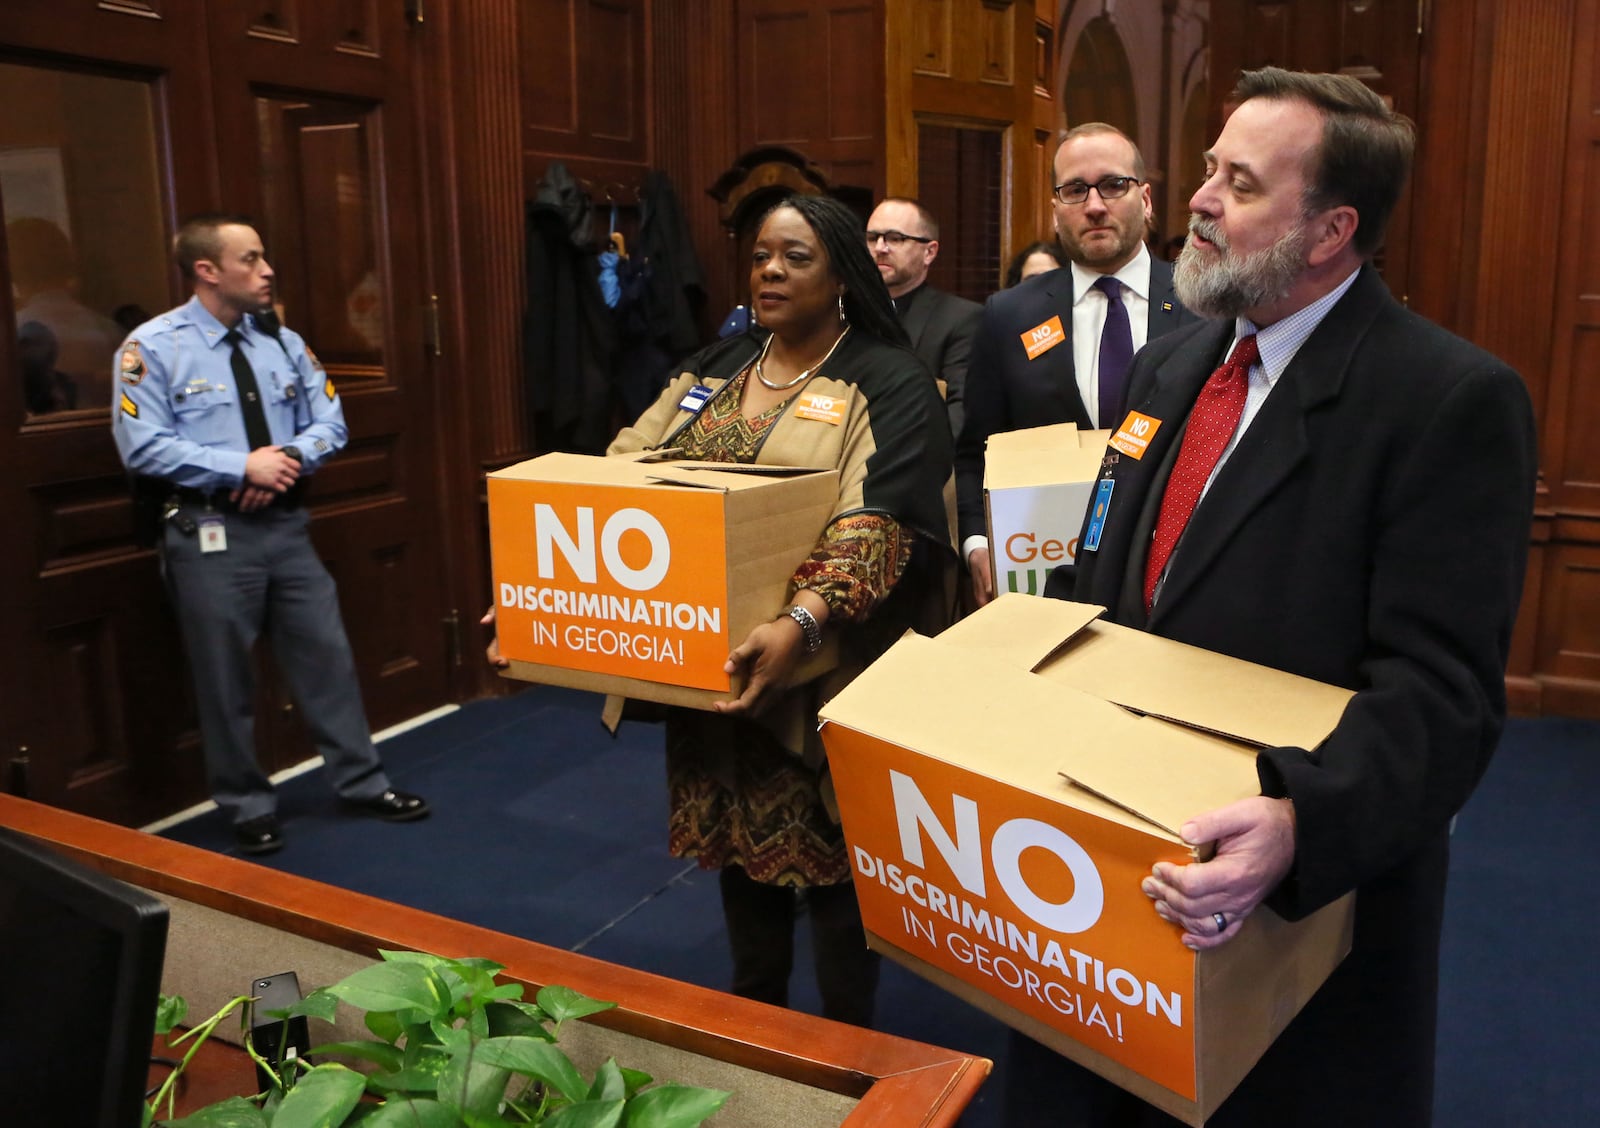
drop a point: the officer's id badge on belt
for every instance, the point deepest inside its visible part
(213, 535)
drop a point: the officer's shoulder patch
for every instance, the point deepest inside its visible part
(327, 386)
(132, 363)
(128, 406)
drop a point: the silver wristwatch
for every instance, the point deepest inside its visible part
(810, 629)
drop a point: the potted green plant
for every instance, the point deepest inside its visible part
(452, 1048)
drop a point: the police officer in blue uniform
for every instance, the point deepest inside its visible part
(221, 414)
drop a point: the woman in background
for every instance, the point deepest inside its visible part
(1035, 258)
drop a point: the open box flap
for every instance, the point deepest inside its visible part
(725, 475)
(1019, 630)
(1166, 774)
(1194, 687)
(1022, 730)
(1043, 456)
(644, 467)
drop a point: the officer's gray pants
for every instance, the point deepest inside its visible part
(268, 579)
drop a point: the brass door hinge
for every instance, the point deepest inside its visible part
(430, 316)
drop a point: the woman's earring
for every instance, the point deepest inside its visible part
(842, 317)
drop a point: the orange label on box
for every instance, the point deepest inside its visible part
(1133, 437)
(1034, 903)
(1043, 337)
(621, 580)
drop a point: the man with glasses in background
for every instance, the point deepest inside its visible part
(1058, 347)
(903, 238)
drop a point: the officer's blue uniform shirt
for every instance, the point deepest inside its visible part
(178, 416)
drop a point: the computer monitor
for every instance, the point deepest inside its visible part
(80, 975)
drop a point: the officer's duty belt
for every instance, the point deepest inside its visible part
(220, 501)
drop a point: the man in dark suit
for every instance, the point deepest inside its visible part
(1057, 348)
(903, 237)
(1347, 497)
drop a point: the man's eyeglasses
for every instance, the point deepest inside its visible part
(895, 238)
(1109, 187)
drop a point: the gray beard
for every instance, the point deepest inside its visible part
(1231, 286)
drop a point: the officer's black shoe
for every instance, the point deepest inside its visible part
(260, 835)
(392, 806)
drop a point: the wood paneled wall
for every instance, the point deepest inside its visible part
(1566, 655)
(1501, 245)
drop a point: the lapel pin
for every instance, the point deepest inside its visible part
(1166, 307)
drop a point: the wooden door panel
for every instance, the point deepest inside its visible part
(105, 137)
(317, 133)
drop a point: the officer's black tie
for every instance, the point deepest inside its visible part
(244, 378)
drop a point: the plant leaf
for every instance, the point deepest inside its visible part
(635, 1079)
(320, 1099)
(393, 987)
(385, 1055)
(673, 1106)
(426, 959)
(470, 1085)
(517, 1018)
(537, 1059)
(407, 1113)
(235, 1112)
(562, 1003)
(590, 1114)
(608, 1083)
(169, 1012)
(386, 1025)
(318, 1004)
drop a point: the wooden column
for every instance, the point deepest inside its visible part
(483, 190)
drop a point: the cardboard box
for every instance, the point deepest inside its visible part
(999, 835)
(638, 575)
(1036, 488)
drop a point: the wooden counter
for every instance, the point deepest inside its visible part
(233, 920)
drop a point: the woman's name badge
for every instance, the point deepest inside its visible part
(1097, 518)
(824, 409)
(694, 397)
(1043, 337)
(213, 536)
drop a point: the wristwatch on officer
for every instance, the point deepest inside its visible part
(293, 452)
(810, 629)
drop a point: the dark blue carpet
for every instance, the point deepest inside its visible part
(546, 827)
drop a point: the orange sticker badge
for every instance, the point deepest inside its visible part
(824, 409)
(1043, 337)
(1133, 437)
(131, 364)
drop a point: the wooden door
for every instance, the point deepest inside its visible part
(121, 116)
(317, 137)
(105, 134)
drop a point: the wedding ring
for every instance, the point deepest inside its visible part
(1222, 923)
